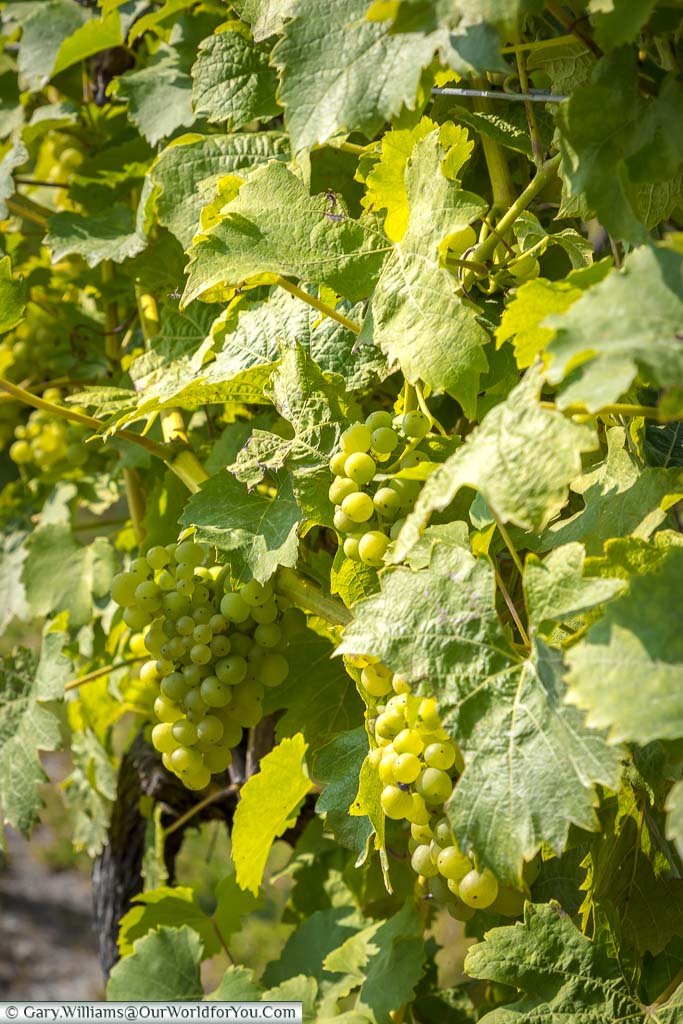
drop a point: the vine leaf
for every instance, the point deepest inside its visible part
(237, 983)
(89, 789)
(232, 82)
(267, 806)
(258, 532)
(59, 574)
(38, 49)
(274, 227)
(159, 95)
(674, 821)
(309, 944)
(415, 316)
(625, 324)
(12, 297)
(439, 628)
(163, 966)
(27, 726)
(337, 766)
(339, 72)
(15, 156)
(521, 459)
(266, 17)
(110, 235)
(625, 672)
(555, 589)
(558, 969)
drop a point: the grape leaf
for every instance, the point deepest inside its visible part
(92, 37)
(232, 81)
(625, 324)
(110, 235)
(312, 403)
(258, 531)
(12, 297)
(15, 156)
(415, 315)
(674, 821)
(521, 459)
(39, 48)
(629, 867)
(237, 983)
(620, 498)
(89, 790)
(12, 594)
(624, 673)
(361, 76)
(307, 947)
(318, 697)
(275, 227)
(440, 629)
(337, 766)
(163, 966)
(59, 574)
(559, 970)
(556, 590)
(159, 95)
(184, 170)
(268, 801)
(27, 726)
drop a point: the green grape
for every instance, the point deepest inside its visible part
(186, 759)
(192, 675)
(163, 739)
(136, 617)
(232, 730)
(342, 523)
(428, 714)
(478, 889)
(339, 488)
(462, 239)
(185, 588)
(201, 595)
(200, 654)
(525, 268)
(388, 724)
(434, 785)
(201, 613)
(376, 679)
(198, 779)
(174, 686)
(194, 704)
(408, 741)
(185, 625)
(185, 732)
(249, 712)
(268, 612)
(372, 547)
(396, 803)
(123, 587)
(210, 730)
(231, 670)
(509, 902)
(214, 693)
(421, 833)
(165, 580)
(378, 419)
(422, 863)
(407, 491)
(268, 634)
(350, 546)
(174, 604)
(256, 594)
(241, 644)
(220, 646)
(439, 755)
(443, 833)
(175, 648)
(218, 758)
(337, 463)
(420, 812)
(452, 863)
(384, 440)
(166, 710)
(412, 459)
(360, 468)
(185, 572)
(189, 552)
(20, 452)
(415, 424)
(202, 633)
(273, 670)
(387, 502)
(218, 623)
(407, 768)
(456, 908)
(140, 568)
(157, 557)
(358, 507)
(356, 438)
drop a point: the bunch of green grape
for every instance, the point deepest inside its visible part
(371, 505)
(213, 651)
(418, 763)
(47, 445)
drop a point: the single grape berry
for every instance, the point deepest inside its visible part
(372, 547)
(358, 507)
(356, 438)
(478, 889)
(415, 424)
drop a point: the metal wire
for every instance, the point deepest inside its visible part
(512, 97)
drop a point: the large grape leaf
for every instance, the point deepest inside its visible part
(257, 531)
(313, 403)
(60, 574)
(110, 235)
(521, 459)
(159, 95)
(415, 315)
(337, 766)
(556, 590)
(39, 48)
(184, 171)
(268, 803)
(626, 672)
(309, 944)
(620, 499)
(340, 73)
(625, 324)
(93, 37)
(561, 972)
(89, 789)
(274, 226)
(12, 297)
(530, 764)
(27, 726)
(630, 868)
(164, 966)
(232, 81)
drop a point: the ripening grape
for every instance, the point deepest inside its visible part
(213, 649)
(478, 889)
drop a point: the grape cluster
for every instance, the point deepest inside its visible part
(417, 763)
(213, 650)
(49, 445)
(371, 507)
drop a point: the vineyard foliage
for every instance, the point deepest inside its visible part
(341, 413)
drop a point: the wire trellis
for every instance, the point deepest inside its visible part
(535, 96)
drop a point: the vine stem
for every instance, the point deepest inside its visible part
(26, 208)
(502, 185)
(539, 44)
(322, 307)
(511, 607)
(307, 594)
(97, 673)
(536, 144)
(212, 798)
(485, 249)
(664, 996)
(618, 409)
(508, 544)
